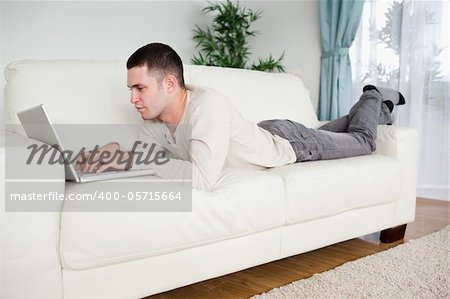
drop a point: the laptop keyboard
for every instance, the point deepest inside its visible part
(88, 174)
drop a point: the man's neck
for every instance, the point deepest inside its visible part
(175, 112)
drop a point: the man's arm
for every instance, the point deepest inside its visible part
(210, 143)
(150, 150)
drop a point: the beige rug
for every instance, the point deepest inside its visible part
(417, 269)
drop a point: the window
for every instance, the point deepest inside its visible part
(404, 45)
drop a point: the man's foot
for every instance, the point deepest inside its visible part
(389, 104)
(391, 97)
(385, 117)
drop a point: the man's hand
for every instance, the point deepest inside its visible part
(108, 157)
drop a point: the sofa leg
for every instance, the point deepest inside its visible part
(393, 234)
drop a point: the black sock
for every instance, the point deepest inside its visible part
(369, 87)
(388, 94)
(390, 105)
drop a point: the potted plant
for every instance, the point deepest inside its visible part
(225, 43)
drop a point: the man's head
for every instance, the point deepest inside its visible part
(160, 59)
(155, 78)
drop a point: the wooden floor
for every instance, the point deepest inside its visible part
(431, 215)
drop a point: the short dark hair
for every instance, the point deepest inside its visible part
(160, 58)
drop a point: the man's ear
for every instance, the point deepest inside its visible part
(171, 82)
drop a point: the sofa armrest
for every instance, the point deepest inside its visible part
(403, 144)
(29, 255)
(394, 141)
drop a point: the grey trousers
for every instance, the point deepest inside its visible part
(348, 136)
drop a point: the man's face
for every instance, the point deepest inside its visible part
(147, 96)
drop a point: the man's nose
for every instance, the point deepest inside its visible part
(133, 98)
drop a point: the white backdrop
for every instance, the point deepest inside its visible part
(113, 30)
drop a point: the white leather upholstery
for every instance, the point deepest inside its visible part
(403, 145)
(95, 92)
(253, 217)
(29, 240)
(338, 185)
(90, 92)
(264, 96)
(247, 201)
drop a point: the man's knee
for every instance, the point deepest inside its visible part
(371, 145)
(368, 144)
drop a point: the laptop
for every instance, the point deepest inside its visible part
(37, 125)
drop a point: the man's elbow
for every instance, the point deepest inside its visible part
(202, 183)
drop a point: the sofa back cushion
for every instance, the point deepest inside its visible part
(78, 92)
(258, 95)
(74, 92)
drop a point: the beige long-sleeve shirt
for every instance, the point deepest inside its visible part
(212, 134)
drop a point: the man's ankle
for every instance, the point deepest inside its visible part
(388, 94)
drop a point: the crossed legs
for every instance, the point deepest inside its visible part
(348, 136)
(390, 98)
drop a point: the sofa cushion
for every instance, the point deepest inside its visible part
(262, 96)
(323, 188)
(66, 87)
(245, 201)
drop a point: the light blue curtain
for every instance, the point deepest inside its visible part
(339, 21)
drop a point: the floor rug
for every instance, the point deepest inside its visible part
(417, 269)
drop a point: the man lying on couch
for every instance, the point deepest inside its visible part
(219, 136)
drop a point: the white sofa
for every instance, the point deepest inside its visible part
(253, 216)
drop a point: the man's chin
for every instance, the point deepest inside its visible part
(145, 116)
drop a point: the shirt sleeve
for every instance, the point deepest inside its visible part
(147, 150)
(210, 123)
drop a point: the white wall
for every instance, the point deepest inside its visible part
(113, 30)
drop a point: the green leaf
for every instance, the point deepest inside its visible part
(269, 64)
(225, 43)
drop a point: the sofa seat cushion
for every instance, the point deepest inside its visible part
(246, 201)
(323, 188)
